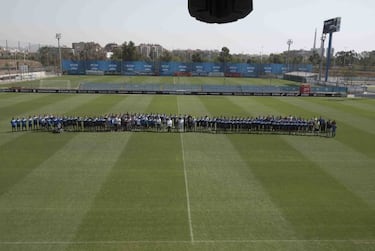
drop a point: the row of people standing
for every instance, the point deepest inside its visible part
(177, 123)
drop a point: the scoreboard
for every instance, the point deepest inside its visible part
(332, 25)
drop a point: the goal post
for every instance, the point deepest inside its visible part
(55, 84)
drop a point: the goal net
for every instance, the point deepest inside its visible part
(54, 84)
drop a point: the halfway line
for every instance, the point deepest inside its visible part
(187, 189)
(186, 182)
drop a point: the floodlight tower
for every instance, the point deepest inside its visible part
(289, 43)
(321, 57)
(58, 37)
(330, 26)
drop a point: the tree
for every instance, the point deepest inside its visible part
(129, 52)
(92, 51)
(196, 58)
(296, 59)
(224, 56)
(276, 59)
(345, 58)
(43, 55)
(166, 56)
(314, 59)
(117, 54)
(367, 59)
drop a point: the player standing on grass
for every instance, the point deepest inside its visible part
(169, 124)
(35, 122)
(24, 123)
(30, 120)
(334, 127)
(13, 123)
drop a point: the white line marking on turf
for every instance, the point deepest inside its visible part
(175, 242)
(187, 189)
(186, 182)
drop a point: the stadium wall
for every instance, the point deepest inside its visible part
(133, 68)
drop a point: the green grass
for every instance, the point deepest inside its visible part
(149, 191)
(75, 81)
(371, 88)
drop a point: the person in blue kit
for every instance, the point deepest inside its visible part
(18, 121)
(30, 122)
(291, 125)
(24, 124)
(13, 123)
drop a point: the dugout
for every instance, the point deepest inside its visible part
(301, 77)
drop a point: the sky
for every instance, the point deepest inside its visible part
(168, 23)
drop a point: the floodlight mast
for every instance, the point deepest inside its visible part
(330, 26)
(329, 55)
(321, 57)
(58, 37)
(289, 43)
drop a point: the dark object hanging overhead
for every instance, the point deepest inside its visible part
(220, 11)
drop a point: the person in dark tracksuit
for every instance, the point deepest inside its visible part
(334, 127)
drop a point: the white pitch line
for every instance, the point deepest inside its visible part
(176, 242)
(187, 189)
(186, 182)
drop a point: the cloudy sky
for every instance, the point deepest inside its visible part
(167, 22)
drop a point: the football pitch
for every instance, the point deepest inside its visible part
(187, 191)
(75, 81)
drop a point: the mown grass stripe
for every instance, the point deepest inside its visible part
(147, 180)
(256, 106)
(150, 185)
(351, 168)
(227, 200)
(282, 245)
(27, 104)
(24, 144)
(336, 113)
(350, 131)
(87, 159)
(18, 158)
(347, 107)
(315, 203)
(330, 202)
(133, 104)
(17, 149)
(369, 242)
(10, 99)
(354, 107)
(339, 192)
